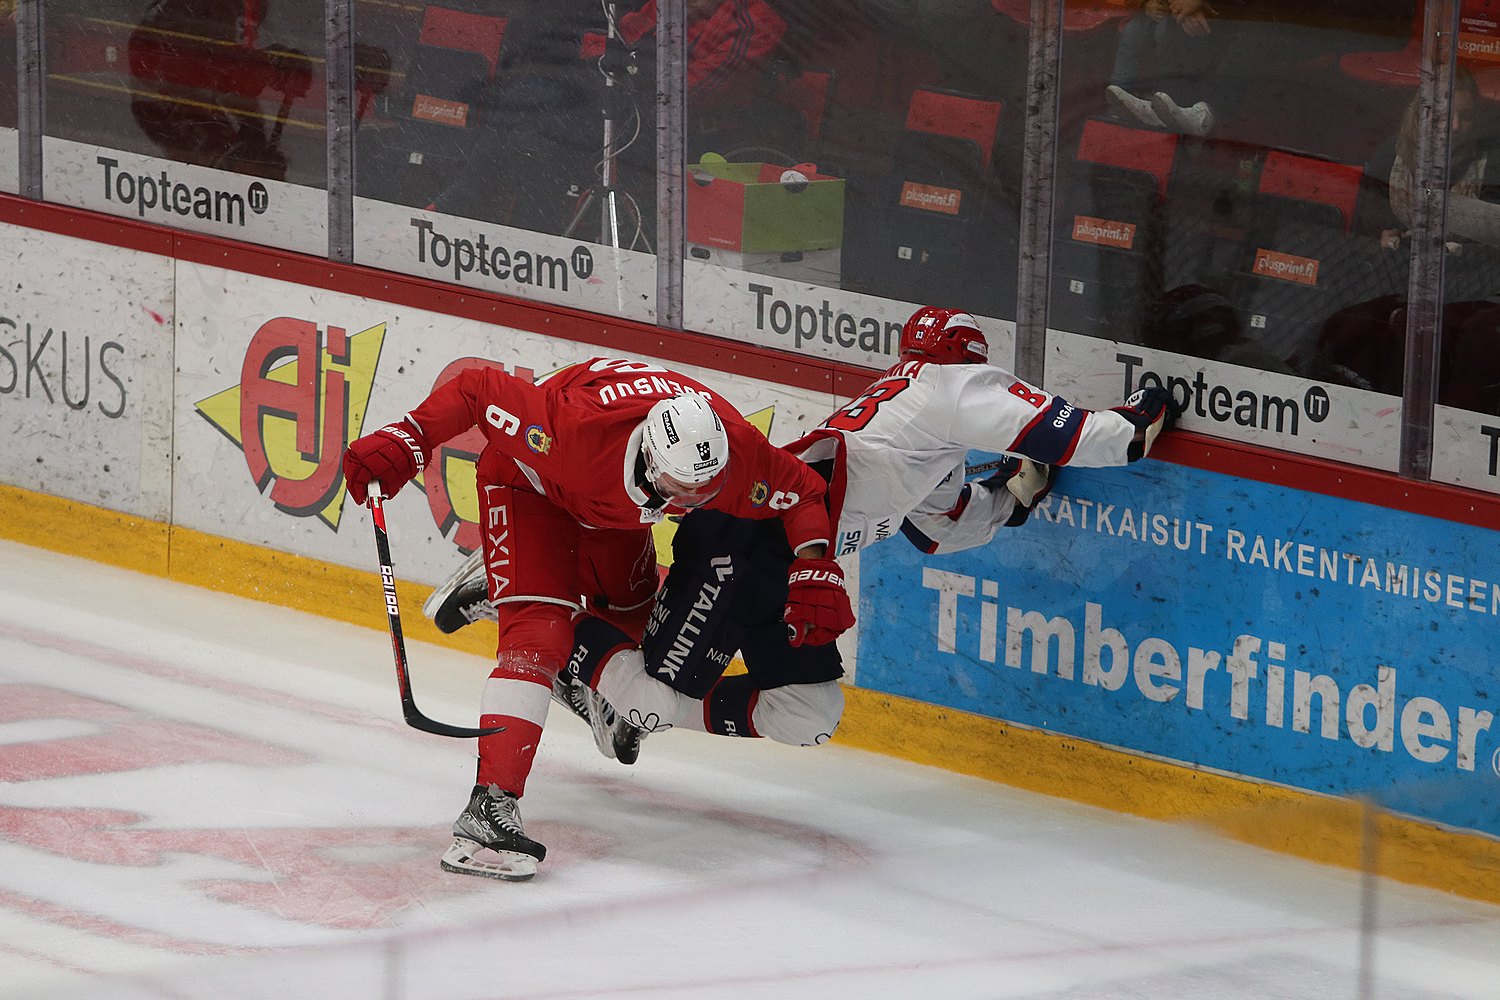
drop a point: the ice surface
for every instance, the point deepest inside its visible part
(202, 796)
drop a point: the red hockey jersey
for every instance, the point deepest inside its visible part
(576, 434)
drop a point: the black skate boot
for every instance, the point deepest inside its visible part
(571, 693)
(612, 734)
(488, 839)
(462, 599)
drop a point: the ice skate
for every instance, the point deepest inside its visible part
(574, 695)
(626, 738)
(488, 839)
(462, 599)
(614, 737)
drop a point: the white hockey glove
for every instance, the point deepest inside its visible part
(1029, 482)
(1152, 410)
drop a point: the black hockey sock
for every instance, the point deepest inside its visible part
(594, 642)
(729, 705)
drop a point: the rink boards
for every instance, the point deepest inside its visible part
(1314, 642)
(1168, 639)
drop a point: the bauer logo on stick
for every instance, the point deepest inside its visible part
(389, 583)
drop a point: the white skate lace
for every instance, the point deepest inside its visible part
(502, 813)
(572, 694)
(644, 724)
(479, 610)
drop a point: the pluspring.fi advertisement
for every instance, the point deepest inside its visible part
(1314, 642)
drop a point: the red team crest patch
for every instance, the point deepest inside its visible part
(538, 440)
(759, 492)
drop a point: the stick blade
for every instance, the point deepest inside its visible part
(417, 720)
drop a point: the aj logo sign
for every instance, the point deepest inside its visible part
(301, 399)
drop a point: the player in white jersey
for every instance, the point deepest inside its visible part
(898, 451)
(894, 459)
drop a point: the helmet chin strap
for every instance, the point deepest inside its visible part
(654, 500)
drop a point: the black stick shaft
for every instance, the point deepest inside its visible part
(974, 470)
(414, 716)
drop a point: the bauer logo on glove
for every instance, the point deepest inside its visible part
(817, 605)
(393, 455)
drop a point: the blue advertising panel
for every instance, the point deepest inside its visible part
(1315, 642)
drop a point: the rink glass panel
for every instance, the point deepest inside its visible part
(1466, 433)
(1238, 252)
(862, 160)
(200, 114)
(845, 165)
(480, 153)
(9, 97)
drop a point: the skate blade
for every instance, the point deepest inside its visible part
(467, 857)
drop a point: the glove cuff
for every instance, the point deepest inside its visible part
(1151, 410)
(1031, 482)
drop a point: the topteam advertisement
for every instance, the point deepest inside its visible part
(1241, 627)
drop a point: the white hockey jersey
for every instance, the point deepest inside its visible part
(899, 450)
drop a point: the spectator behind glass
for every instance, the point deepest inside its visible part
(1471, 216)
(1199, 322)
(1470, 367)
(218, 119)
(1363, 345)
(1167, 49)
(1196, 62)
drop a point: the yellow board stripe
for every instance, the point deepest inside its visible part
(1319, 828)
(1324, 829)
(221, 564)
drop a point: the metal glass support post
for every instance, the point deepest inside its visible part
(31, 66)
(339, 64)
(1429, 211)
(671, 159)
(1038, 173)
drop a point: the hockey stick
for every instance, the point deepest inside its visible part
(414, 716)
(974, 470)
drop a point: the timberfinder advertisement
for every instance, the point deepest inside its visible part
(1313, 642)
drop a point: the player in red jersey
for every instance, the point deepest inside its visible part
(575, 470)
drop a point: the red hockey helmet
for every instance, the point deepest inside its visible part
(944, 337)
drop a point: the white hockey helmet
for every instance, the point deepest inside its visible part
(686, 450)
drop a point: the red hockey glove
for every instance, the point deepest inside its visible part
(1152, 410)
(817, 606)
(394, 455)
